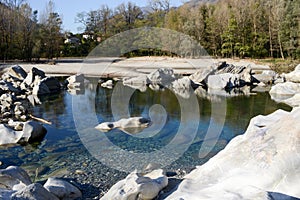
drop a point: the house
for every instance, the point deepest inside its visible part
(72, 40)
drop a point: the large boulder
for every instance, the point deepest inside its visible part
(17, 72)
(182, 87)
(137, 186)
(267, 76)
(222, 81)
(162, 76)
(47, 85)
(265, 159)
(32, 75)
(294, 101)
(294, 76)
(14, 178)
(287, 88)
(62, 189)
(34, 191)
(33, 131)
(8, 135)
(202, 74)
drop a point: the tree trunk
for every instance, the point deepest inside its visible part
(280, 46)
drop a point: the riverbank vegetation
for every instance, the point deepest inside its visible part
(227, 28)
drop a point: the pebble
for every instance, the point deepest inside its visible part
(79, 172)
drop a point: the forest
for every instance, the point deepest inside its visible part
(225, 28)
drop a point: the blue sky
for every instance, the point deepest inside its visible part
(69, 8)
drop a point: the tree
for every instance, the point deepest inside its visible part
(51, 32)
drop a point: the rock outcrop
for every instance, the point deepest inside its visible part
(263, 161)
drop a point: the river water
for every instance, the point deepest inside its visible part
(71, 147)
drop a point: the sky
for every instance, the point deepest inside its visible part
(68, 9)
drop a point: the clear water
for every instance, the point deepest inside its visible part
(62, 147)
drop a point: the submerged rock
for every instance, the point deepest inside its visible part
(125, 123)
(265, 159)
(137, 186)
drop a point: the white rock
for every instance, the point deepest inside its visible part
(294, 76)
(108, 84)
(8, 135)
(139, 82)
(202, 75)
(78, 78)
(62, 189)
(222, 81)
(34, 191)
(265, 158)
(267, 76)
(163, 76)
(33, 131)
(293, 101)
(32, 75)
(287, 88)
(136, 186)
(14, 178)
(124, 123)
(182, 87)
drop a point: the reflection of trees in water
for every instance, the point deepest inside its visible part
(241, 109)
(139, 103)
(53, 107)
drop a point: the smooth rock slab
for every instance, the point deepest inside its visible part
(135, 186)
(62, 189)
(33, 131)
(265, 159)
